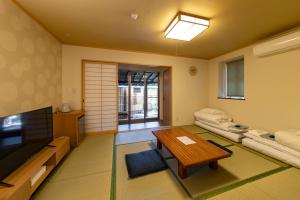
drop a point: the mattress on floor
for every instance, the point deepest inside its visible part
(272, 143)
(225, 126)
(272, 152)
(237, 137)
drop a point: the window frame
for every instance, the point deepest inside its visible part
(223, 79)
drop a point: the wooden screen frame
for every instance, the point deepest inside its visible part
(83, 62)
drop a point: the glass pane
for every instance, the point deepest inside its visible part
(123, 95)
(137, 95)
(152, 95)
(235, 78)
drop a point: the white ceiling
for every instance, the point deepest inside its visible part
(107, 23)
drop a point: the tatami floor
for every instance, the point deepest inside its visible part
(84, 175)
(97, 170)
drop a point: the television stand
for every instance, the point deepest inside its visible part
(22, 182)
(3, 184)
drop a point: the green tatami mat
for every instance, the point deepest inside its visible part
(278, 162)
(282, 185)
(194, 129)
(92, 187)
(245, 192)
(240, 166)
(84, 174)
(159, 185)
(243, 168)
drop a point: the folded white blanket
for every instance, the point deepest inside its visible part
(217, 119)
(225, 126)
(290, 139)
(258, 132)
(212, 111)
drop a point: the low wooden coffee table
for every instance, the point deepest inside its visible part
(201, 152)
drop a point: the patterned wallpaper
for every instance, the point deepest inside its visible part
(30, 63)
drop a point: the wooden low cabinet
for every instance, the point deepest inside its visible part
(69, 124)
(21, 179)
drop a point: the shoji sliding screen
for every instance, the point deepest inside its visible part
(100, 96)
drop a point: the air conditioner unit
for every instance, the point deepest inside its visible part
(278, 45)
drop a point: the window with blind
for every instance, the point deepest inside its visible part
(232, 79)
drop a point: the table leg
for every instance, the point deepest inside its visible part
(159, 145)
(213, 165)
(181, 171)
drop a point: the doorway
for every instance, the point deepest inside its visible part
(138, 96)
(144, 96)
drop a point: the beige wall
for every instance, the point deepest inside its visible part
(271, 90)
(189, 92)
(30, 63)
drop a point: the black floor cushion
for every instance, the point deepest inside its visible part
(144, 162)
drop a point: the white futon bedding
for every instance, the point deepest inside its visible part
(273, 144)
(225, 126)
(219, 129)
(273, 149)
(212, 118)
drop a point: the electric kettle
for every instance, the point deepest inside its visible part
(65, 107)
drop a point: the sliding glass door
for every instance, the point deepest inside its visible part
(152, 93)
(138, 96)
(137, 110)
(123, 91)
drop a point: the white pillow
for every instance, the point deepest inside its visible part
(212, 111)
(257, 132)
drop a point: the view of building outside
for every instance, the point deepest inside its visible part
(143, 101)
(137, 102)
(123, 102)
(152, 100)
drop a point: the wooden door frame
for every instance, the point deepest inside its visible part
(170, 107)
(170, 68)
(131, 121)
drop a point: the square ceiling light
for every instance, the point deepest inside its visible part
(185, 27)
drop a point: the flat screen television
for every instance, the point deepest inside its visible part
(21, 136)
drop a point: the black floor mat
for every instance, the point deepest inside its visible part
(220, 146)
(144, 162)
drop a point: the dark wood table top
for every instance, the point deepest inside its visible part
(192, 154)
